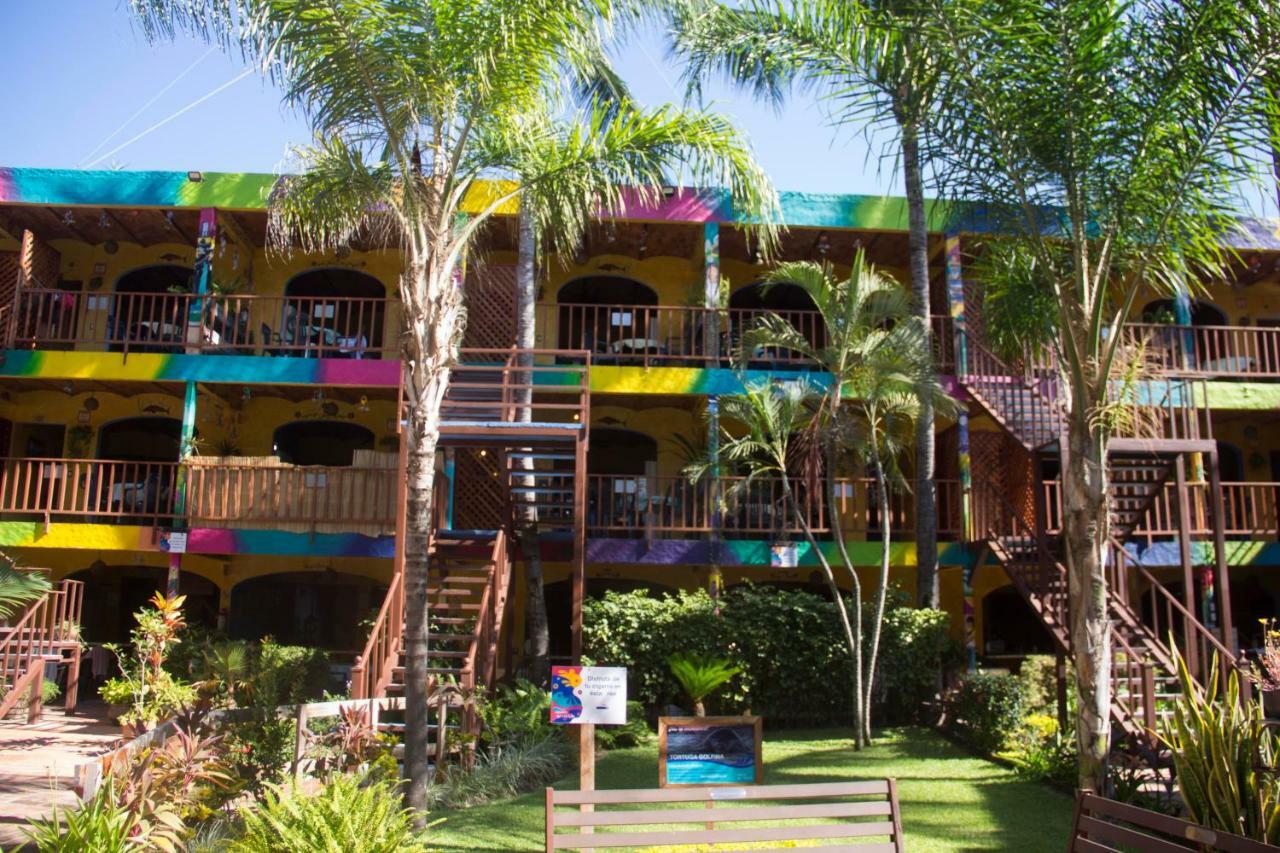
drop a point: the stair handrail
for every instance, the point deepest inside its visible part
(42, 631)
(373, 668)
(478, 647)
(1196, 656)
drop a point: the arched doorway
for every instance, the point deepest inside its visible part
(147, 312)
(145, 451)
(314, 608)
(331, 443)
(112, 594)
(332, 312)
(616, 465)
(1165, 311)
(608, 314)
(790, 301)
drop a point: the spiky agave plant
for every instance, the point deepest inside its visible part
(700, 676)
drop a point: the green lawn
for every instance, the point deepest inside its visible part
(950, 800)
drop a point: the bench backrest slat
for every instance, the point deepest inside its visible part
(1104, 826)
(747, 792)
(869, 811)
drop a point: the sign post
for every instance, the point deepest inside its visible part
(583, 696)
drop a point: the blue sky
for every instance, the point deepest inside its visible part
(75, 75)
(77, 72)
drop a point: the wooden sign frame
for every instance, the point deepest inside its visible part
(756, 723)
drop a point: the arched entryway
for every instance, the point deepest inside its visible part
(790, 301)
(332, 312)
(314, 608)
(147, 311)
(142, 455)
(142, 439)
(608, 314)
(1165, 311)
(617, 463)
(112, 594)
(320, 442)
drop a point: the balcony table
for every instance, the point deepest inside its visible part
(638, 345)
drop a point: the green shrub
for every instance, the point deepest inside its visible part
(502, 771)
(259, 751)
(287, 675)
(635, 732)
(345, 814)
(1039, 676)
(519, 712)
(986, 709)
(1039, 751)
(789, 644)
(915, 649)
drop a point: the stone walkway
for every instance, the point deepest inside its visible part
(37, 763)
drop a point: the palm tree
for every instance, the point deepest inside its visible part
(883, 379)
(771, 417)
(874, 63)
(414, 107)
(1105, 139)
(18, 588)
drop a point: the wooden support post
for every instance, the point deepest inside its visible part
(648, 496)
(299, 741)
(579, 543)
(36, 707)
(1220, 553)
(1185, 557)
(587, 766)
(1060, 677)
(73, 682)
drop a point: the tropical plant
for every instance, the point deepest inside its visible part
(502, 771)
(871, 63)
(700, 676)
(1223, 751)
(19, 588)
(346, 814)
(98, 825)
(144, 685)
(430, 119)
(1106, 139)
(174, 784)
(224, 671)
(881, 370)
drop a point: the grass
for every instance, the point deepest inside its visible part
(951, 800)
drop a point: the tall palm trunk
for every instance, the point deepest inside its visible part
(837, 532)
(537, 631)
(852, 639)
(927, 594)
(882, 498)
(433, 311)
(1087, 530)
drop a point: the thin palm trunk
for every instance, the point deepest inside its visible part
(927, 593)
(537, 630)
(852, 638)
(882, 498)
(837, 532)
(433, 319)
(1087, 528)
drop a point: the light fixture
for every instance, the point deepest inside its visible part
(195, 177)
(103, 222)
(168, 219)
(68, 218)
(668, 191)
(246, 393)
(644, 241)
(823, 244)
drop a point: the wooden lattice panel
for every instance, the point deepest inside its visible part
(9, 270)
(491, 307)
(477, 491)
(40, 264)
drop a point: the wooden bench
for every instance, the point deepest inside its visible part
(870, 823)
(1106, 825)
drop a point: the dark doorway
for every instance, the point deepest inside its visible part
(112, 594)
(1010, 627)
(791, 301)
(334, 313)
(620, 451)
(319, 608)
(1165, 311)
(147, 439)
(331, 443)
(606, 314)
(1230, 463)
(147, 311)
(37, 441)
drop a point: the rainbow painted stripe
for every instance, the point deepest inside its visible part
(158, 367)
(250, 191)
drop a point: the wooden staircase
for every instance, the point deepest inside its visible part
(1026, 404)
(47, 631)
(534, 418)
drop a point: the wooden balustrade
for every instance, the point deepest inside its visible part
(1250, 510)
(89, 488)
(1217, 351)
(248, 324)
(632, 505)
(41, 633)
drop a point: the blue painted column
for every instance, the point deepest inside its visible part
(715, 581)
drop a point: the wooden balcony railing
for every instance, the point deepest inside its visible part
(264, 494)
(667, 335)
(304, 326)
(1250, 511)
(1218, 351)
(672, 507)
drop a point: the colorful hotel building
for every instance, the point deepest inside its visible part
(174, 396)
